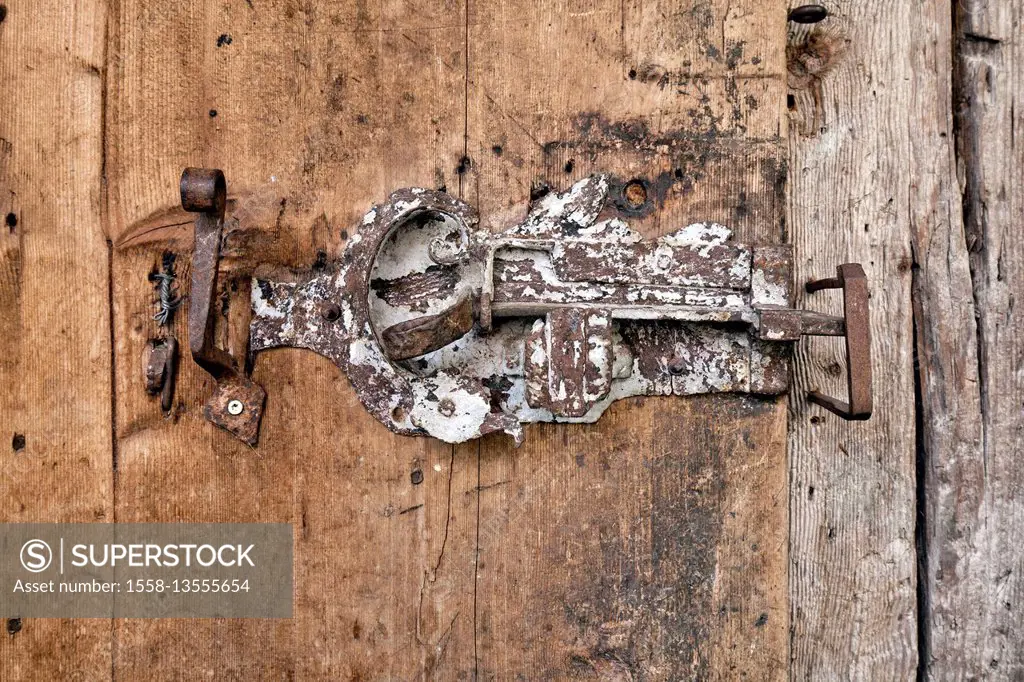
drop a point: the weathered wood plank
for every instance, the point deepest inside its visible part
(55, 403)
(327, 106)
(872, 182)
(972, 367)
(651, 545)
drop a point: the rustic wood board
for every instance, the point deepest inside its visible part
(652, 545)
(321, 109)
(971, 368)
(55, 358)
(861, 177)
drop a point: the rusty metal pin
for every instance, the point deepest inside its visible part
(635, 193)
(808, 14)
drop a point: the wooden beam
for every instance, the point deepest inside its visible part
(972, 389)
(315, 111)
(55, 400)
(874, 182)
(651, 545)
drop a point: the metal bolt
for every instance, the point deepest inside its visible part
(331, 312)
(676, 366)
(446, 407)
(664, 261)
(808, 14)
(235, 407)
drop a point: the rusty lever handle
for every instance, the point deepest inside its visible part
(851, 279)
(237, 403)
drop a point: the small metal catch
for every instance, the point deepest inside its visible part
(204, 191)
(454, 332)
(161, 366)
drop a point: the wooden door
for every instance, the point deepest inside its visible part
(652, 545)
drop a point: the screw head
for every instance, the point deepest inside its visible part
(446, 407)
(235, 407)
(676, 366)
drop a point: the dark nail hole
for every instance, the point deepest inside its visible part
(815, 420)
(497, 150)
(331, 312)
(676, 366)
(416, 476)
(223, 39)
(761, 621)
(538, 190)
(808, 14)
(678, 173)
(213, 113)
(791, 102)
(464, 165)
(635, 193)
(810, 493)
(569, 166)
(632, 74)
(11, 220)
(13, 626)
(18, 442)
(3, 13)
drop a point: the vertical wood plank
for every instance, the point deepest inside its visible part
(315, 111)
(972, 389)
(651, 545)
(872, 182)
(55, 401)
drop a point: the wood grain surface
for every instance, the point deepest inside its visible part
(673, 540)
(973, 368)
(55, 338)
(651, 545)
(861, 179)
(322, 110)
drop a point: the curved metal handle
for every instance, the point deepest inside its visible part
(851, 279)
(237, 404)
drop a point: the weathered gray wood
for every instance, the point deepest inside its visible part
(861, 177)
(972, 382)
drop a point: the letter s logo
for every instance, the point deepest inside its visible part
(36, 556)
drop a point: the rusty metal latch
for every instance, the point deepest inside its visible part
(454, 332)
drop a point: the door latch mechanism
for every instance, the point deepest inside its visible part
(454, 332)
